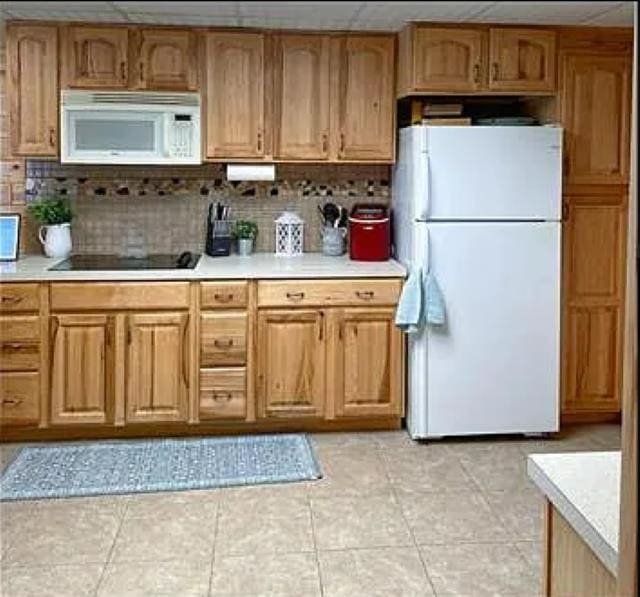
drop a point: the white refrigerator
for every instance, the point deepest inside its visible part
(480, 207)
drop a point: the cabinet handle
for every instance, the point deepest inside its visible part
(12, 300)
(11, 401)
(259, 144)
(52, 137)
(494, 71)
(142, 71)
(223, 343)
(15, 345)
(476, 73)
(565, 212)
(341, 143)
(340, 331)
(123, 72)
(185, 375)
(321, 330)
(325, 143)
(223, 298)
(222, 396)
(295, 296)
(365, 295)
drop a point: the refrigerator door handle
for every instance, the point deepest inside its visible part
(423, 213)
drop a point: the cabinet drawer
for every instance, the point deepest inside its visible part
(90, 296)
(19, 297)
(223, 393)
(223, 295)
(223, 339)
(307, 293)
(19, 398)
(19, 343)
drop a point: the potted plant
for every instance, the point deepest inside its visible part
(245, 231)
(54, 215)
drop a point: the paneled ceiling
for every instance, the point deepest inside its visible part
(379, 16)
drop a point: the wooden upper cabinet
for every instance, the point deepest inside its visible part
(157, 367)
(291, 363)
(522, 60)
(595, 108)
(94, 57)
(447, 59)
(81, 368)
(32, 89)
(302, 96)
(365, 98)
(368, 364)
(234, 91)
(165, 59)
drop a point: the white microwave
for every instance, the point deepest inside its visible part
(129, 127)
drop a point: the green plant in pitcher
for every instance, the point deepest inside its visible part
(50, 211)
(245, 229)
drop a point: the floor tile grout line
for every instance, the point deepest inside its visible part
(415, 543)
(214, 550)
(315, 545)
(113, 545)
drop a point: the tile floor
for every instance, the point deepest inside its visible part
(390, 518)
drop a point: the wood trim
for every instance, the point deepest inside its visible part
(281, 424)
(628, 544)
(119, 369)
(252, 348)
(547, 522)
(194, 349)
(570, 418)
(45, 357)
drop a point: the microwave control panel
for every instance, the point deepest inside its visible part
(182, 133)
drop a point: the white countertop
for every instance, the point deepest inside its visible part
(259, 265)
(585, 488)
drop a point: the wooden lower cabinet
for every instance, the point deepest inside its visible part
(81, 369)
(291, 363)
(19, 398)
(367, 361)
(157, 367)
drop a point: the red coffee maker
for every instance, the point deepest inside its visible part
(369, 232)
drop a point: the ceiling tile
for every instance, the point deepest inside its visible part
(420, 11)
(53, 7)
(270, 22)
(179, 8)
(622, 16)
(65, 15)
(567, 12)
(192, 19)
(339, 11)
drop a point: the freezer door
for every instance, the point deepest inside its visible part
(492, 173)
(494, 367)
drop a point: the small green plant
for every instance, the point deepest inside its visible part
(245, 229)
(51, 210)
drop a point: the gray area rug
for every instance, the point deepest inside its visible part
(140, 466)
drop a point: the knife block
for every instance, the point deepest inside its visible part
(218, 242)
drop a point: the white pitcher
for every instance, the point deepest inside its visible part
(56, 240)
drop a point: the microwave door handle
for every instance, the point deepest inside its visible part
(167, 135)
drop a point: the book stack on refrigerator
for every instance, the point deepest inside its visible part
(444, 114)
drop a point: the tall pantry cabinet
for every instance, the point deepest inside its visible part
(595, 84)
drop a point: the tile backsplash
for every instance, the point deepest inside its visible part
(168, 206)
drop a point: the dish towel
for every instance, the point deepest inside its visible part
(409, 311)
(435, 311)
(421, 302)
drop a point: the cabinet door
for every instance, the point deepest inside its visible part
(522, 60)
(157, 369)
(366, 104)
(595, 114)
(95, 57)
(594, 269)
(166, 59)
(235, 95)
(32, 88)
(367, 356)
(451, 60)
(291, 363)
(302, 96)
(81, 369)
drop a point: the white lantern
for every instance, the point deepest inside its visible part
(289, 235)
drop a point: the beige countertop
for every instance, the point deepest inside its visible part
(585, 488)
(34, 268)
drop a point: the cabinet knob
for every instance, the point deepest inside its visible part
(365, 295)
(222, 396)
(11, 401)
(223, 298)
(223, 343)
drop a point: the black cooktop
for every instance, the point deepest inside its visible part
(115, 262)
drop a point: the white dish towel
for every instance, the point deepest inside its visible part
(421, 302)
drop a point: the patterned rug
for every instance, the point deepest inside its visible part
(140, 466)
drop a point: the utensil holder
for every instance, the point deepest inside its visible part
(333, 241)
